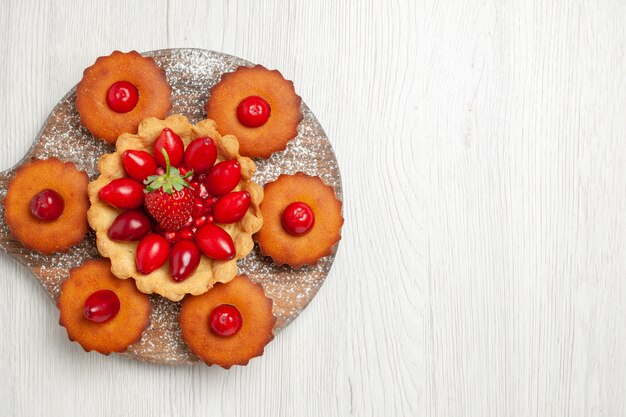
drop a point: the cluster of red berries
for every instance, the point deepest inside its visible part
(174, 200)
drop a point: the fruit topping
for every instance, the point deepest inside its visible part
(297, 218)
(170, 235)
(171, 244)
(101, 306)
(253, 111)
(232, 207)
(186, 233)
(152, 252)
(184, 259)
(130, 225)
(225, 320)
(215, 242)
(173, 146)
(47, 205)
(122, 97)
(200, 155)
(169, 197)
(122, 193)
(223, 177)
(139, 165)
(200, 221)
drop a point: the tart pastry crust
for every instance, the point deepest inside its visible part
(122, 254)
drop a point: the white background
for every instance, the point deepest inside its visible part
(482, 146)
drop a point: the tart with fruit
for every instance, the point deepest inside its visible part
(46, 205)
(228, 325)
(101, 312)
(260, 107)
(119, 91)
(302, 220)
(174, 207)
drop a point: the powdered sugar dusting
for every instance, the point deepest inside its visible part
(191, 72)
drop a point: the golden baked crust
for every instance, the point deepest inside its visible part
(142, 72)
(281, 127)
(122, 254)
(307, 249)
(119, 332)
(249, 342)
(48, 236)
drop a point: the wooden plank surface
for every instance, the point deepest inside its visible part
(483, 160)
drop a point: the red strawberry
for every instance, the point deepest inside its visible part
(169, 198)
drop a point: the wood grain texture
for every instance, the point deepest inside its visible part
(483, 161)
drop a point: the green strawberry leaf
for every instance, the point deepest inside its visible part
(169, 182)
(150, 179)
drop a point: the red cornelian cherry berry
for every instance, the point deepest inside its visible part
(225, 320)
(152, 252)
(215, 242)
(232, 207)
(139, 165)
(47, 205)
(184, 259)
(200, 154)
(123, 193)
(101, 306)
(129, 226)
(122, 97)
(173, 145)
(297, 218)
(223, 177)
(253, 111)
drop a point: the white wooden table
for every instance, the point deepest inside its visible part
(483, 152)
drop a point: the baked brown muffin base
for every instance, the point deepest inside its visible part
(306, 249)
(281, 127)
(91, 92)
(249, 342)
(116, 334)
(48, 236)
